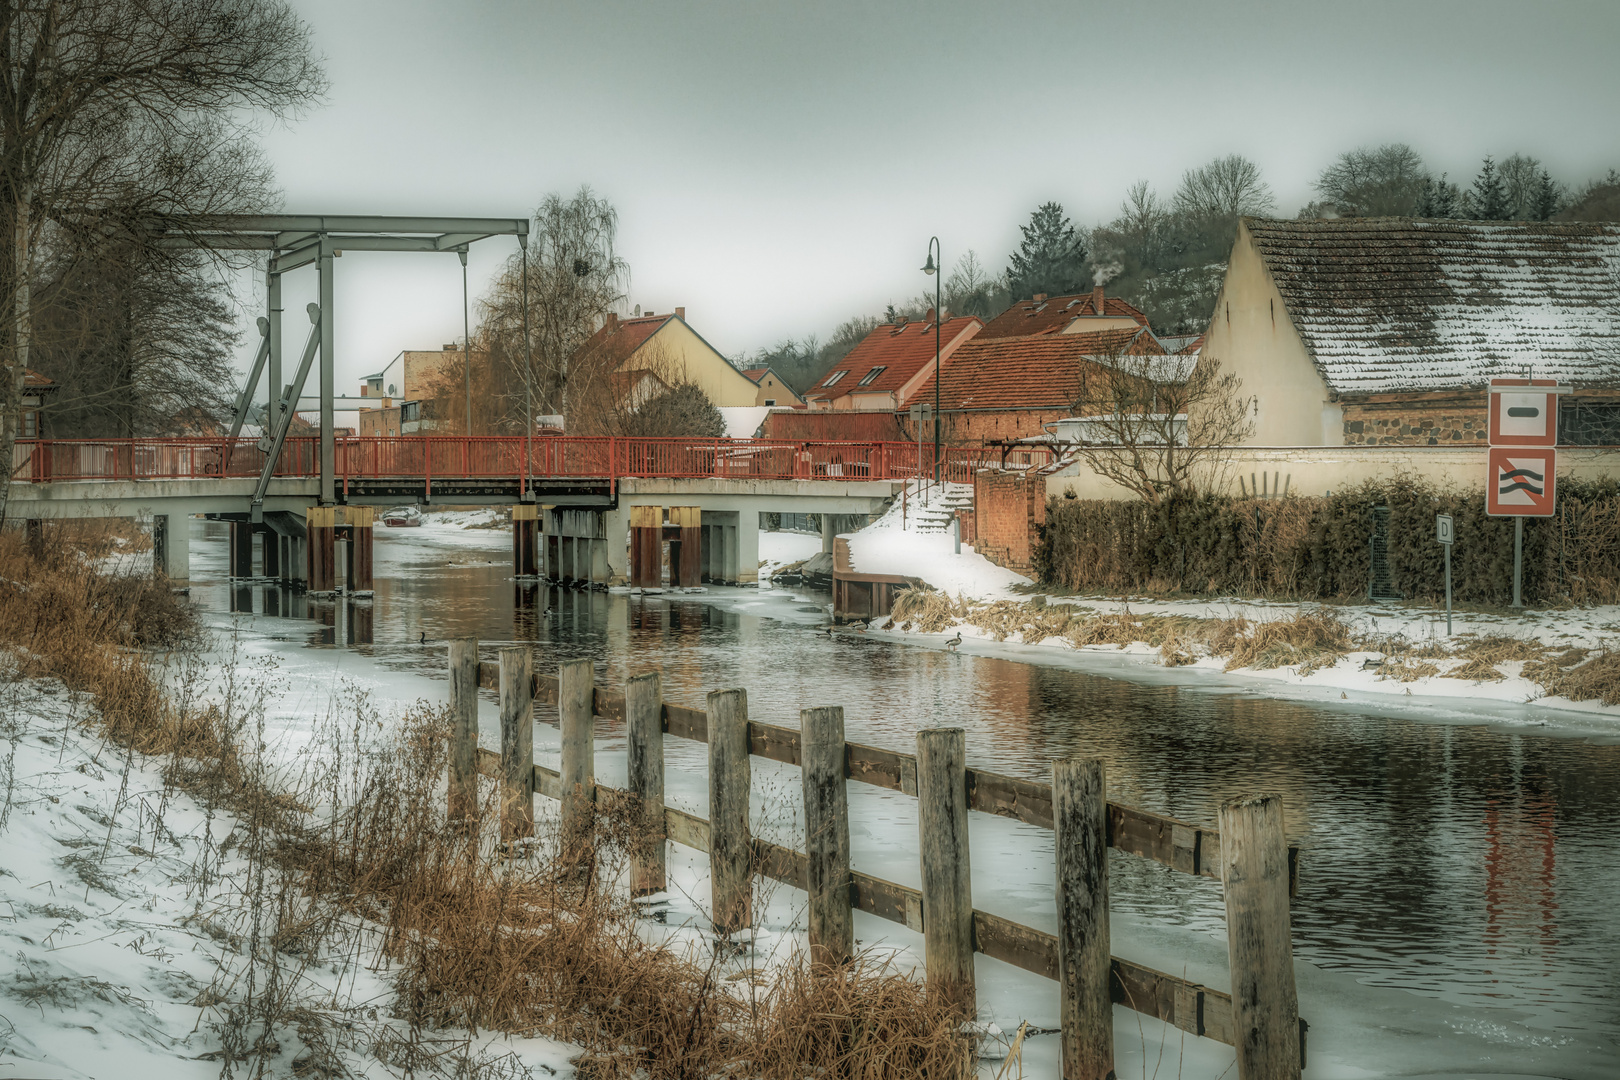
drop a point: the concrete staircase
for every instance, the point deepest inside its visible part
(929, 508)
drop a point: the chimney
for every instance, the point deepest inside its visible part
(1097, 300)
(612, 324)
(680, 313)
(1040, 298)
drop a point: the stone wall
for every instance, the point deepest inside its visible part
(1451, 421)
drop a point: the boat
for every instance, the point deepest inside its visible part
(402, 517)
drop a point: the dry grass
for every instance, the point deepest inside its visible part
(475, 939)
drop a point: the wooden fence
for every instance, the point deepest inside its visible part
(1248, 854)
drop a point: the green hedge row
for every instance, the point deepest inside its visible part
(1320, 547)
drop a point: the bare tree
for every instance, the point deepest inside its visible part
(648, 395)
(110, 109)
(1224, 190)
(1382, 182)
(575, 280)
(1159, 426)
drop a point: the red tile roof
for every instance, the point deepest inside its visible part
(1050, 316)
(623, 336)
(36, 380)
(900, 350)
(1039, 372)
(756, 373)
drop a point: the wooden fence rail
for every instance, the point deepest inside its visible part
(1258, 870)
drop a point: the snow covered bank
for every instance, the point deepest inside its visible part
(1567, 660)
(913, 539)
(142, 940)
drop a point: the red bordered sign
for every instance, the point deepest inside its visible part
(1522, 482)
(1529, 418)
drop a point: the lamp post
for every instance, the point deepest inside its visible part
(935, 268)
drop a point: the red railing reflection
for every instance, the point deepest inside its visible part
(454, 457)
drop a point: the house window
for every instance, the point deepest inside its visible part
(30, 425)
(1589, 423)
(867, 379)
(834, 377)
(770, 401)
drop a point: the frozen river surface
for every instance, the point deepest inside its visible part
(1460, 870)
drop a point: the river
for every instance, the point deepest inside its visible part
(1459, 871)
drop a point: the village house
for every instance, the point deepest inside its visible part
(403, 388)
(669, 349)
(885, 370)
(1005, 389)
(773, 392)
(1081, 313)
(1386, 332)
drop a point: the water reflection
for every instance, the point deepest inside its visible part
(1470, 863)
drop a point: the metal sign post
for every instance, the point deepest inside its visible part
(1445, 532)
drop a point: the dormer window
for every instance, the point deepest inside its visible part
(834, 377)
(872, 375)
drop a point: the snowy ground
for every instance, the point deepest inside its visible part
(126, 929)
(894, 544)
(779, 549)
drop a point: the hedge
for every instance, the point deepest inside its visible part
(1320, 547)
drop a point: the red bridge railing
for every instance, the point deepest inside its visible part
(478, 457)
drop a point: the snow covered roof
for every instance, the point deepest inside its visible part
(1056, 314)
(1391, 304)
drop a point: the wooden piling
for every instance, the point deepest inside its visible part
(1085, 1006)
(644, 727)
(464, 729)
(731, 872)
(517, 744)
(576, 689)
(1265, 1004)
(826, 836)
(942, 823)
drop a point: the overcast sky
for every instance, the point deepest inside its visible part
(779, 167)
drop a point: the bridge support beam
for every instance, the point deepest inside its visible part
(240, 553)
(686, 554)
(646, 546)
(171, 547)
(320, 533)
(269, 552)
(525, 540)
(359, 522)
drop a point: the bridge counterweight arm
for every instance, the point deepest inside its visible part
(288, 406)
(252, 386)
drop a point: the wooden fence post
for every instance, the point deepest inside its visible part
(942, 824)
(731, 870)
(464, 730)
(517, 744)
(576, 694)
(1085, 1005)
(826, 836)
(644, 724)
(1254, 875)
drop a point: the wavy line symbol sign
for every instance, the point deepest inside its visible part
(1521, 482)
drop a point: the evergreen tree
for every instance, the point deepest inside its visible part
(1546, 202)
(1437, 199)
(1052, 257)
(1487, 199)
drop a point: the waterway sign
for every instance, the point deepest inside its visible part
(1521, 483)
(1524, 417)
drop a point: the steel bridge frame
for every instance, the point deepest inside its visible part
(293, 241)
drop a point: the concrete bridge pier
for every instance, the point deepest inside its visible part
(322, 524)
(577, 548)
(526, 540)
(730, 547)
(646, 546)
(239, 550)
(686, 553)
(171, 547)
(285, 536)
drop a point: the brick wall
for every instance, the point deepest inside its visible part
(1451, 420)
(1008, 511)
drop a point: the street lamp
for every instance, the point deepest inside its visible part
(934, 268)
